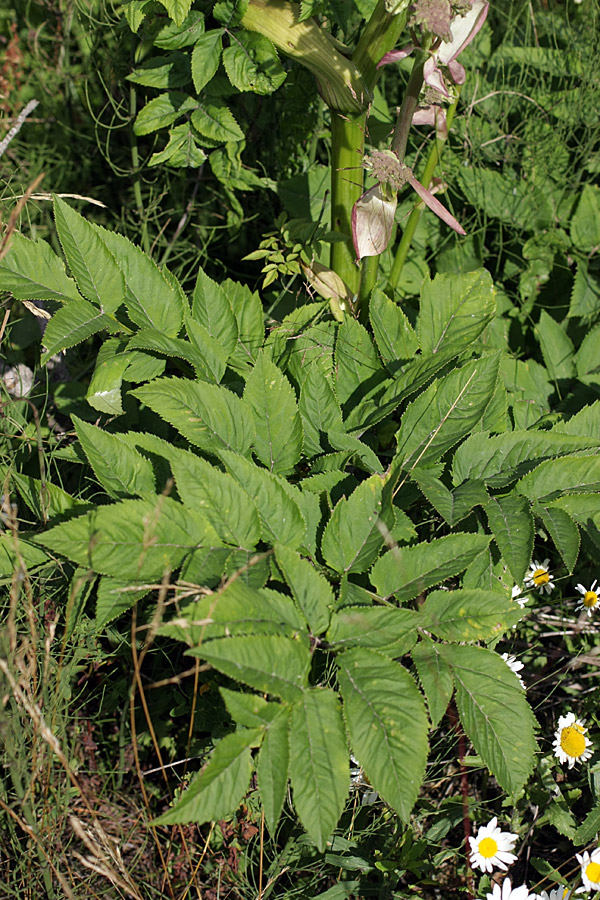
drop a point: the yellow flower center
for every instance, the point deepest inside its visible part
(592, 870)
(540, 576)
(590, 598)
(572, 742)
(565, 893)
(488, 847)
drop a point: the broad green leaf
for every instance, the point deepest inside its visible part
(320, 411)
(73, 323)
(280, 514)
(249, 710)
(435, 676)
(381, 401)
(236, 609)
(408, 571)
(216, 122)
(455, 308)
(585, 224)
(157, 342)
(104, 389)
(571, 474)
(171, 71)
(394, 335)
(269, 663)
(211, 308)
(382, 628)
(178, 10)
(590, 826)
(557, 348)
(387, 723)
(113, 598)
(270, 396)
(312, 592)
(357, 365)
(208, 415)
(14, 554)
(468, 615)
(249, 314)
(94, 267)
(499, 459)
(217, 791)
(494, 713)
(182, 150)
(206, 56)
(445, 412)
(44, 499)
(352, 538)
(319, 768)
(272, 767)
(585, 295)
(207, 349)
(452, 505)
(252, 64)
(563, 531)
(586, 359)
(362, 453)
(175, 37)
(120, 469)
(140, 539)
(583, 424)
(228, 508)
(162, 111)
(510, 520)
(151, 301)
(31, 270)
(508, 197)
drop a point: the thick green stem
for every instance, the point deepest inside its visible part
(370, 266)
(348, 140)
(347, 147)
(413, 220)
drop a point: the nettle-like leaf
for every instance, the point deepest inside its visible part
(494, 713)
(73, 323)
(270, 396)
(271, 664)
(206, 56)
(31, 270)
(228, 507)
(387, 725)
(95, 269)
(455, 309)
(387, 629)
(219, 788)
(446, 412)
(452, 505)
(272, 767)
(151, 299)
(500, 459)
(119, 468)
(435, 676)
(141, 538)
(353, 537)
(162, 111)
(408, 571)
(394, 335)
(319, 768)
(468, 615)
(511, 522)
(312, 592)
(278, 503)
(557, 348)
(212, 309)
(563, 531)
(357, 365)
(208, 415)
(571, 474)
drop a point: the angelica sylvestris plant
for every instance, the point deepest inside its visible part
(319, 585)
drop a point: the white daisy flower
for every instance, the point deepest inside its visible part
(516, 596)
(570, 743)
(539, 577)
(590, 869)
(515, 666)
(507, 892)
(559, 893)
(590, 600)
(491, 847)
